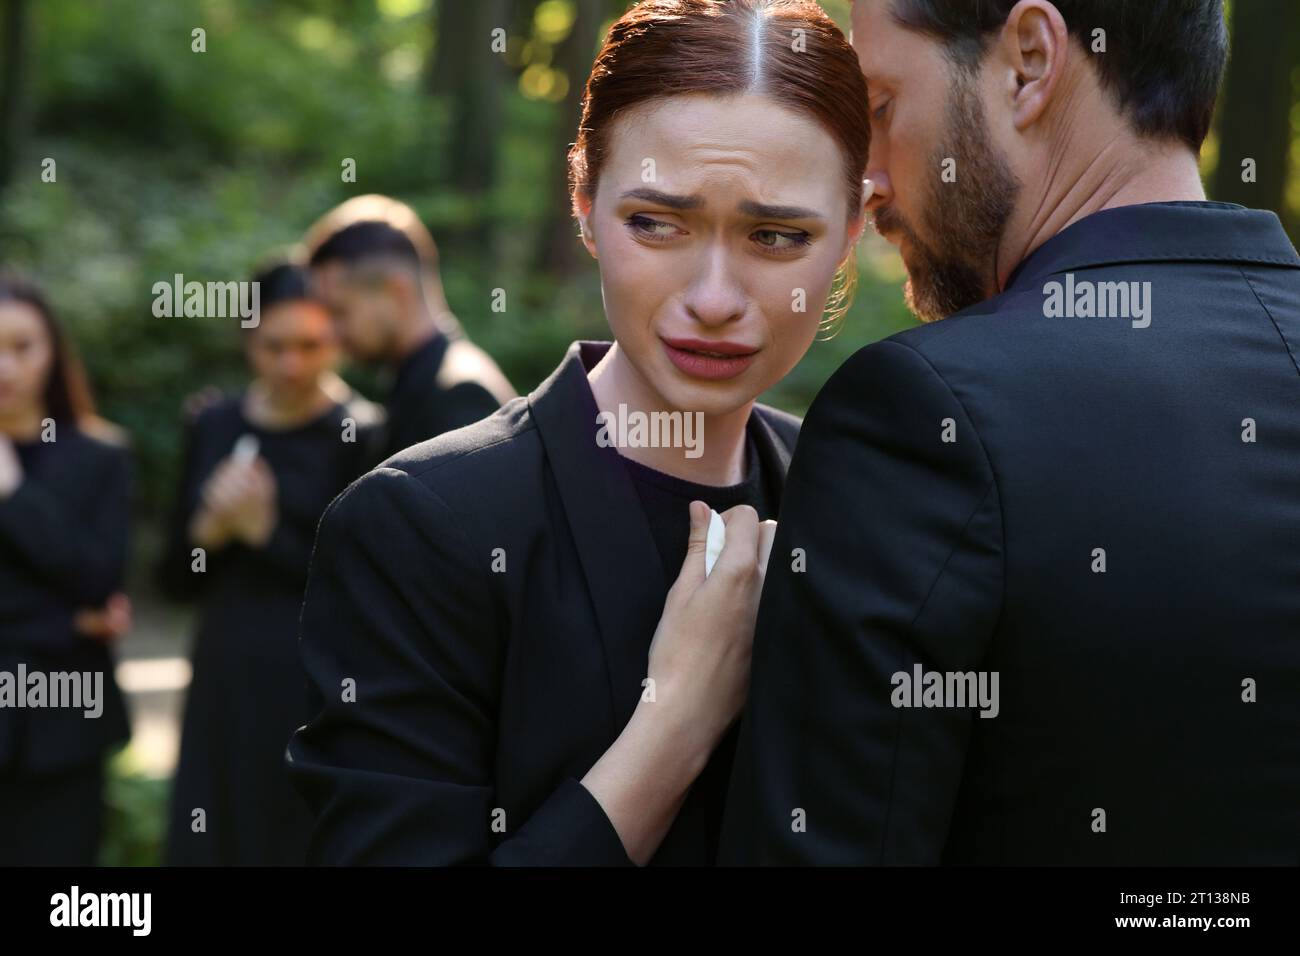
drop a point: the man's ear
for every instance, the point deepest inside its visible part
(582, 210)
(1035, 46)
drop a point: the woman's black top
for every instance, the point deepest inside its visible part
(666, 500)
(63, 548)
(311, 462)
(476, 625)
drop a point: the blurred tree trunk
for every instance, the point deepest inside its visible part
(560, 251)
(13, 22)
(1255, 110)
(522, 13)
(474, 76)
(451, 20)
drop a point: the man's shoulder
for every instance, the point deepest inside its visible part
(1003, 343)
(465, 364)
(363, 411)
(986, 324)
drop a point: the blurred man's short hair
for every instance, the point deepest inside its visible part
(368, 245)
(371, 227)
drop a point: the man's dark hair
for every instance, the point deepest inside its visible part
(367, 241)
(1163, 63)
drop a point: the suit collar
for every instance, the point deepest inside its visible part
(613, 537)
(1161, 232)
(421, 363)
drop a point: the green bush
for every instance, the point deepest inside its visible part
(135, 816)
(170, 161)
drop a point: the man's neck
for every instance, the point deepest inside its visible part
(1125, 171)
(419, 331)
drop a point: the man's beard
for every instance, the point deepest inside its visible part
(965, 219)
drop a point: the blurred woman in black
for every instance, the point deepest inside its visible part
(259, 469)
(65, 480)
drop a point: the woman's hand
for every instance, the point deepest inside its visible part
(106, 624)
(698, 677)
(11, 469)
(699, 657)
(238, 501)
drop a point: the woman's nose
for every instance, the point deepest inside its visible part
(715, 298)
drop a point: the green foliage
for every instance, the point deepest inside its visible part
(172, 161)
(135, 816)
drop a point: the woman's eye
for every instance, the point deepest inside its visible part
(879, 113)
(773, 240)
(651, 229)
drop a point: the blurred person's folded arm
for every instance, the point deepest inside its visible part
(900, 537)
(399, 612)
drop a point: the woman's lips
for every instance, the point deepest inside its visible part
(715, 361)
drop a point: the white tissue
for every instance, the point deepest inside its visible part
(717, 538)
(246, 449)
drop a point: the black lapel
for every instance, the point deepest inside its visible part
(773, 451)
(619, 558)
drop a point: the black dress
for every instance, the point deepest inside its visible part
(477, 624)
(63, 547)
(247, 694)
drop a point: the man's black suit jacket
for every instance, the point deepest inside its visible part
(1104, 512)
(444, 384)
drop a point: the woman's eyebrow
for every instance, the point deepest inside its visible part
(665, 199)
(764, 211)
(748, 207)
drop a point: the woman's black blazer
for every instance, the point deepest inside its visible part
(63, 547)
(477, 621)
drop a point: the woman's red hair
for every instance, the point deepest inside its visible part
(663, 48)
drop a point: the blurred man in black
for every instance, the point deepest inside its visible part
(376, 267)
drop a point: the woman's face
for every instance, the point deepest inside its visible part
(26, 357)
(293, 345)
(718, 223)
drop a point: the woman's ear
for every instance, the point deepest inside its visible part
(582, 210)
(857, 224)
